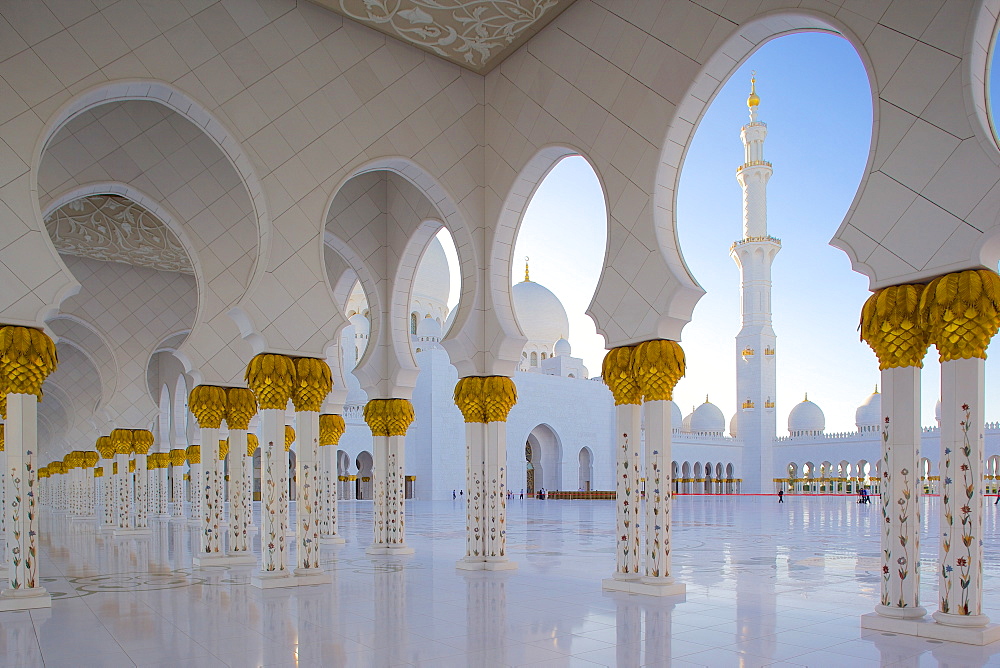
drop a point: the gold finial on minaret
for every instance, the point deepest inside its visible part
(754, 99)
(527, 278)
(807, 397)
(876, 388)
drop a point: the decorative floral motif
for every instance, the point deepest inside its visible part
(115, 229)
(966, 556)
(467, 32)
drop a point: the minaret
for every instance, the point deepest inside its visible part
(755, 344)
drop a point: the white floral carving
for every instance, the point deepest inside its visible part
(469, 31)
(115, 229)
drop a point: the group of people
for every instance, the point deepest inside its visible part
(510, 494)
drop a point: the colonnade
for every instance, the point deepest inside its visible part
(958, 314)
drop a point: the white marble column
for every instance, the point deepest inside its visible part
(657, 573)
(239, 520)
(210, 543)
(628, 426)
(21, 445)
(274, 501)
(141, 493)
(177, 458)
(329, 525)
(310, 487)
(389, 419)
(123, 496)
(475, 516)
(194, 485)
(108, 494)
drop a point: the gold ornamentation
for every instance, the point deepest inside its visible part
(193, 454)
(142, 441)
(99, 472)
(27, 357)
(177, 457)
(469, 398)
(3, 398)
(92, 458)
(289, 437)
(657, 366)
(1, 437)
(331, 428)
(105, 446)
(313, 383)
(252, 444)
(389, 417)
(241, 407)
(617, 373)
(208, 405)
(960, 313)
(223, 449)
(114, 469)
(131, 466)
(499, 396)
(272, 379)
(122, 440)
(891, 325)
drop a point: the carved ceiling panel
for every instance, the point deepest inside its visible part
(476, 34)
(115, 229)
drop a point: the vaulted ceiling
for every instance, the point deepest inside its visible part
(476, 34)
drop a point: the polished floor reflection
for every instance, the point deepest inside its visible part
(768, 584)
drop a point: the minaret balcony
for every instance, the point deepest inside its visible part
(755, 240)
(754, 163)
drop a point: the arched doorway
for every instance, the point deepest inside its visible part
(543, 452)
(363, 486)
(586, 469)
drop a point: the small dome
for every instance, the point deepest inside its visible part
(732, 425)
(806, 418)
(676, 418)
(562, 348)
(429, 328)
(868, 417)
(361, 325)
(686, 422)
(539, 312)
(708, 418)
(433, 279)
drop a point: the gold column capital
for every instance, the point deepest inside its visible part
(121, 439)
(241, 406)
(485, 398)
(331, 428)
(389, 417)
(289, 437)
(177, 457)
(142, 441)
(616, 370)
(27, 357)
(891, 325)
(208, 405)
(657, 365)
(193, 454)
(1, 437)
(272, 379)
(960, 313)
(252, 444)
(223, 449)
(313, 382)
(105, 446)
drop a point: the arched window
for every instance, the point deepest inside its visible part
(413, 323)
(534, 359)
(543, 356)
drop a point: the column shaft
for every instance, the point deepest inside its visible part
(627, 420)
(274, 492)
(309, 489)
(379, 489)
(123, 494)
(238, 520)
(659, 497)
(141, 493)
(960, 572)
(178, 490)
(210, 487)
(900, 489)
(475, 517)
(495, 487)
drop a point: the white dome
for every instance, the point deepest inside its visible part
(676, 419)
(686, 422)
(428, 328)
(539, 312)
(732, 425)
(869, 414)
(433, 279)
(806, 417)
(708, 418)
(562, 348)
(361, 325)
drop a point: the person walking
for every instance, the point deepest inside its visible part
(453, 494)
(781, 496)
(522, 495)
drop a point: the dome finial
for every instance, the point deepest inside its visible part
(754, 99)
(876, 388)
(807, 397)
(706, 398)
(527, 278)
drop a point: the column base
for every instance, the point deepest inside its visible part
(376, 549)
(480, 564)
(220, 559)
(131, 533)
(273, 580)
(645, 586)
(241, 558)
(24, 599)
(928, 628)
(332, 540)
(311, 576)
(892, 612)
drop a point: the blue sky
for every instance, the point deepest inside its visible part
(816, 100)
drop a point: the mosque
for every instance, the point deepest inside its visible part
(225, 326)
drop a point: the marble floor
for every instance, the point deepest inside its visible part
(768, 584)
